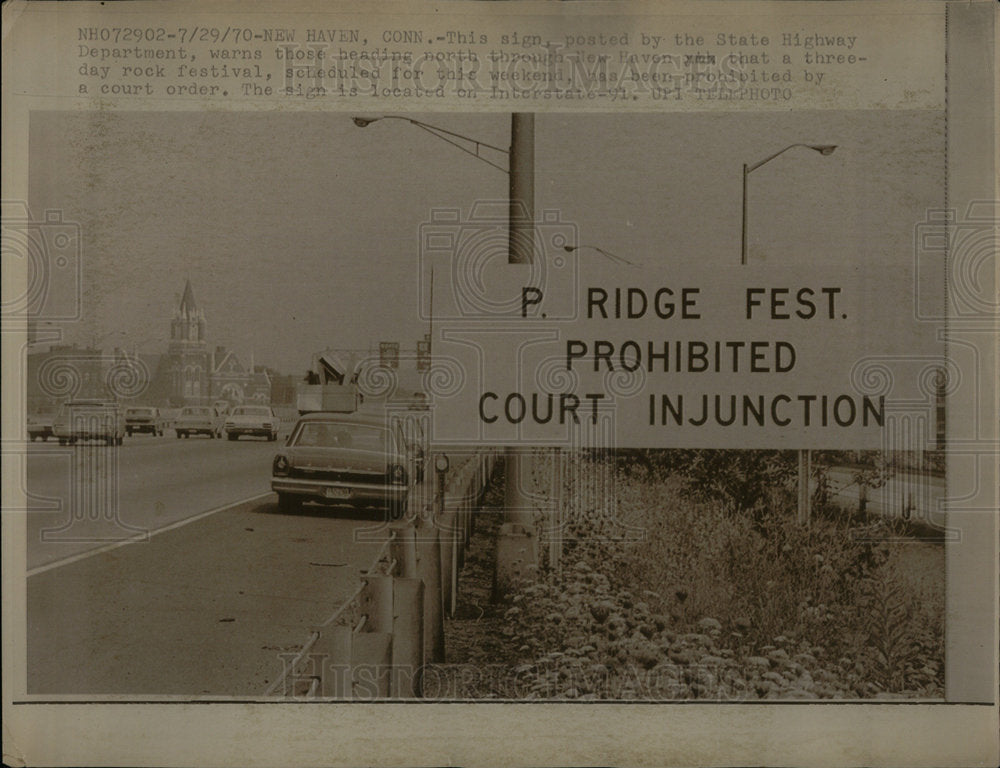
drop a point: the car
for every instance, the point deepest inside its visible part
(142, 419)
(256, 420)
(40, 425)
(195, 420)
(340, 458)
(89, 420)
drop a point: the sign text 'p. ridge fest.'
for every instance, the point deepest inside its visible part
(689, 356)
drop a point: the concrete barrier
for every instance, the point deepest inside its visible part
(407, 638)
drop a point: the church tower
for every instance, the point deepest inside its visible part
(188, 353)
(188, 324)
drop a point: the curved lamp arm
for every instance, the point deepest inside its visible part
(823, 149)
(444, 134)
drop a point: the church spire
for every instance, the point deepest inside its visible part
(188, 306)
(189, 321)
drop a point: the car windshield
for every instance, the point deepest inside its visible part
(140, 411)
(195, 412)
(359, 437)
(252, 412)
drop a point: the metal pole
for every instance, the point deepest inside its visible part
(743, 248)
(516, 551)
(521, 251)
(522, 188)
(556, 536)
(805, 500)
(453, 602)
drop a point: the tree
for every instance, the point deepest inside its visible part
(742, 480)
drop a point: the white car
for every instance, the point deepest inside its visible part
(89, 420)
(256, 420)
(195, 420)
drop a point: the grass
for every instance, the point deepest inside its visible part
(715, 603)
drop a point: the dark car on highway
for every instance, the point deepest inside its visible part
(140, 419)
(338, 458)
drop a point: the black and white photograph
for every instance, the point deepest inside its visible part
(364, 404)
(253, 343)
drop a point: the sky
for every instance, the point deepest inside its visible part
(301, 231)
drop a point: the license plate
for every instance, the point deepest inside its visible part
(337, 493)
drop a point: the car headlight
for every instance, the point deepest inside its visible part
(397, 474)
(281, 465)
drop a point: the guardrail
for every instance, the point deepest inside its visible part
(377, 642)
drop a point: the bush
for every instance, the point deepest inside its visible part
(759, 605)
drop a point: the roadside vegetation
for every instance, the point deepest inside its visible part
(684, 574)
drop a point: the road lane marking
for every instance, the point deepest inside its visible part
(139, 539)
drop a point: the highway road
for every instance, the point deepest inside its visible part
(913, 496)
(204, 609)
(211, 594)
(89, 496)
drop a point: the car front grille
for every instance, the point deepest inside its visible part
(338, 476)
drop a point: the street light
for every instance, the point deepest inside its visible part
(521, 201)
(520, 172)
(606, 254)
(823, 149)
(443, 134)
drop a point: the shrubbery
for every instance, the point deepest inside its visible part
(663, 596)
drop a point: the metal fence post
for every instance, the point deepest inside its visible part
(446, 542)
(429, 570)
(556, 533)
(805, 500)
(455, 565)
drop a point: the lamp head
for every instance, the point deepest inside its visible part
(824, 149)
(441, 462)
(363, 122)
(570, 248)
